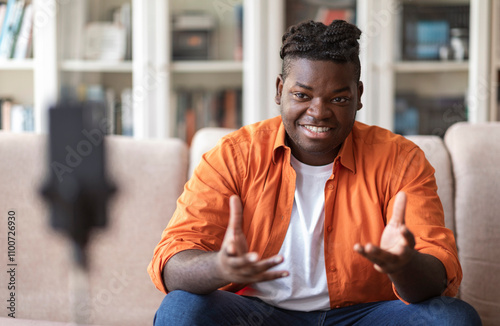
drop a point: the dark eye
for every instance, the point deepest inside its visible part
(300, 96)
(340, 100)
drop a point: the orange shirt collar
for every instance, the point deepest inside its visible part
(346, 153)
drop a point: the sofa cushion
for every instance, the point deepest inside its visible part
(475, 154)
(203, 141)
(149, 174)
(436, 153)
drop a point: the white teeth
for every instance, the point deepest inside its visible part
(316, 129)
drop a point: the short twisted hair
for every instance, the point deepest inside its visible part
(311, 40)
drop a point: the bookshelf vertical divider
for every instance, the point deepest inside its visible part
(45, 71)
(479, 61)
(495, 61)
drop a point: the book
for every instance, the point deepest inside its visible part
(110, 111)
(16, 118)
(230, 109)
(3, 9)
(238, 49)
(6, 109)
(127, 114)
(24, 38)
(8, 9)
(12, 24)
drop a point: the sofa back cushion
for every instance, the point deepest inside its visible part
(436, 153)
(150, 175)
(475, 155)
(203, 141)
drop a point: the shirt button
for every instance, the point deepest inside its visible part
(329, 229)
(337, 307)
(333, 269)
(330, 187)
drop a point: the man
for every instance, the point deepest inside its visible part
(311, 217)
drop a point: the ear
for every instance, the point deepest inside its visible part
(279, 89)
(360, 92)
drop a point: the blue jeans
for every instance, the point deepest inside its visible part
(219, 308)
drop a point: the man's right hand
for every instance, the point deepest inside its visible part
(234, 263)
(199, 271)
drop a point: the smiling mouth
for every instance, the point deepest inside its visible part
(317, 129)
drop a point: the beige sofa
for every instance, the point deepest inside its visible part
(150, 176)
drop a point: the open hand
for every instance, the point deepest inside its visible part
(234, 262)
(396, 245)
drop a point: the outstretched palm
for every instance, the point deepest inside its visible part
(396, 244)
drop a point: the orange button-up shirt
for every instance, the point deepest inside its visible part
(372, 166)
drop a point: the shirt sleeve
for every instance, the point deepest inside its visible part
(424, 214)
(202, 213)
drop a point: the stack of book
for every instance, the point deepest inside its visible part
(202, 108)
(16, 29)
(15, 117)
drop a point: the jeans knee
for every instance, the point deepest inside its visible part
(181, 308)
(445, 311)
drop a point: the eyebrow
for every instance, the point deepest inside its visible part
(346, 88)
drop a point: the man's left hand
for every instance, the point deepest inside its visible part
(396, 245)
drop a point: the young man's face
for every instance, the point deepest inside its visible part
(318, 100)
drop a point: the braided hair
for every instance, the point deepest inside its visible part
(311, 40)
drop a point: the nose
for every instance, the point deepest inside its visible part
(319, 109)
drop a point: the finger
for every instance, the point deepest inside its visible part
(269, 276)
(235, 214)
(398, 212)
(252, 265)
(234, 233)
(375, 254)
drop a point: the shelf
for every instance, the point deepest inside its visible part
(207, 66)
(96, 66)
(25, 64)
(430, 66)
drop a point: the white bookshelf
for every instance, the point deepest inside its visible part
(96, 66)
(216, 66)
(25, 64)
(154, 77)
(385, 75)
(430, 66)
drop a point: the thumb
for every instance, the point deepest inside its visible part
(234, 230)
(398, 212)
(235, 214)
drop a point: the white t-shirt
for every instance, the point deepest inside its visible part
(306, 288)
